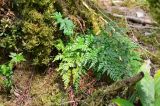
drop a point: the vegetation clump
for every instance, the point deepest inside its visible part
(111, 53)
(33, 31)
(6, 70)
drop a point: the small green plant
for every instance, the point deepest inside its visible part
(72, 58)
(122, 102)
(6, 70)
(16, 58)
(114, 55)
(148, 89)
(65, 24)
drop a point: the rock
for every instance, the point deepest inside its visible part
(140, 14)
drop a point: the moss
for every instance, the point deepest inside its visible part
(34, 16)
(46, 91)
(37, 32)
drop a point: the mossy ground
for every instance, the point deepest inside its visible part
(32, 88)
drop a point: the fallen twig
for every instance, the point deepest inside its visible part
(135, 19)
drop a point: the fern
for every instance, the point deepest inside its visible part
(114, 55)
(6, 70)
(65, 24)
(111, 53)
(72, 58)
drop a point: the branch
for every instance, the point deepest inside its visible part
(134, 19)
(104, 94)
(121, 84)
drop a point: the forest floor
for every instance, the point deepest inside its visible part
(34, 88)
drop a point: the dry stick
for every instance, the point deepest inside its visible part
(135, 19)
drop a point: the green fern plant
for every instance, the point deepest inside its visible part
(111, 53)
(72, 58)
(114, 55)
(6, 70)
(65, 24)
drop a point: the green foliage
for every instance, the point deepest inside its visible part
(145, 87)
(65, 24)
(148, 88)
(7, 33)
(6, 70)
(157, 88)
(72, 58)
(155, 9)
(16, 58)
(122, 102)
(114, 55)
